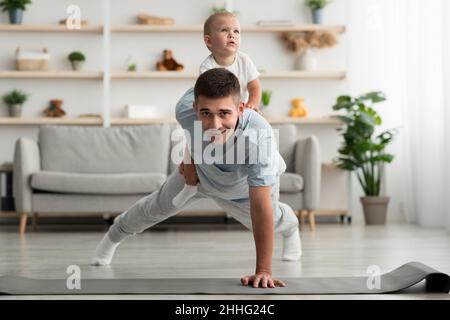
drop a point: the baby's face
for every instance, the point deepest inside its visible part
(225, 37)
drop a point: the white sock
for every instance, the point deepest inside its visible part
(292, 247)
(104, 252)
(184, 195)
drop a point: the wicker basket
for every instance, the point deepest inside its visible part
(32, 61)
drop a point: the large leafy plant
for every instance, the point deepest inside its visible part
(363, 151)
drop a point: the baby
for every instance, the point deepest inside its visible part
(222, 36)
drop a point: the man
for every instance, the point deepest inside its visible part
(242, 176)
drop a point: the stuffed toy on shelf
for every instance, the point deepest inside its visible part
(55, 110)
(298, 109)
(168, 63)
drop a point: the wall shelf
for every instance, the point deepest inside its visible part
(199, 28)
(156, 28)
(326, 120)
(49, 28)
(194, 75)
(128, 121)
(154, 75)
(329, 166)
(303, 75)
(46, 120)
(97, 75)
(13, 74)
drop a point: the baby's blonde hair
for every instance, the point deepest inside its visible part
(212, 18)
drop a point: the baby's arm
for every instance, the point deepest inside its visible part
(190, 175)
(254, 92)
(189, 172)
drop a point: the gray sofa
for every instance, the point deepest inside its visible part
(73, 169)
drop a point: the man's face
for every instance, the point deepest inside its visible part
(225, 36)
(219, 116)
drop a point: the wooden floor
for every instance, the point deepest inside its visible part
(223, 251)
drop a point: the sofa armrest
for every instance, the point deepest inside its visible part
(26, 161)
(308, 165)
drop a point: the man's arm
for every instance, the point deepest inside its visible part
(263, 232)
(262, 222)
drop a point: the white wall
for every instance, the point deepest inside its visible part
(85, 96)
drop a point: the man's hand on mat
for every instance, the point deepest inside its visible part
(263, 280)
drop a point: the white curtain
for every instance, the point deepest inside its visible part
(401, 47)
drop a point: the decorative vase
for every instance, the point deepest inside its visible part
(15, 16)
(307, 61)
(77, 65)
(15, 110)
(375, 209)
(317, 16)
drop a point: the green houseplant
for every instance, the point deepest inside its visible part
(77, 60)
(15, 9)
(363, 152)
(266, 95)
(14, 100)
(316, 7)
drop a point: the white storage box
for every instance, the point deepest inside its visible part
(134, 111)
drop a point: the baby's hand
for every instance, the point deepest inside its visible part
(252, 107)
(189, 172)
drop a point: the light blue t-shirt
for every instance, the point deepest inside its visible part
(250, 156)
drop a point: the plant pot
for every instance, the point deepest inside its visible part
(375, 209)
(265, 110)
(317, 16)
(15, 110)
(77, 65)
(307, 61)
(15, 16)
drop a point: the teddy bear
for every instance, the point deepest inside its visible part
(55, 109)
(168, 63)
(298, 109)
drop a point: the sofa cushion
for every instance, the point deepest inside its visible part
(287, 139)
(291, 182)
(123, 149)
(83, 183)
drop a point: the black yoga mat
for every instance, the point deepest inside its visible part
(403, 277)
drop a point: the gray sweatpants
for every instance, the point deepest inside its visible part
(158, 206)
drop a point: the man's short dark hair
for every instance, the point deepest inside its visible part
(218, 83)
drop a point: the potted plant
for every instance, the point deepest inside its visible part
(14, 100)
(76, 59)
(15, 9)
(316, 7)
(266, 95)
(363, 152)
(131, 64)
